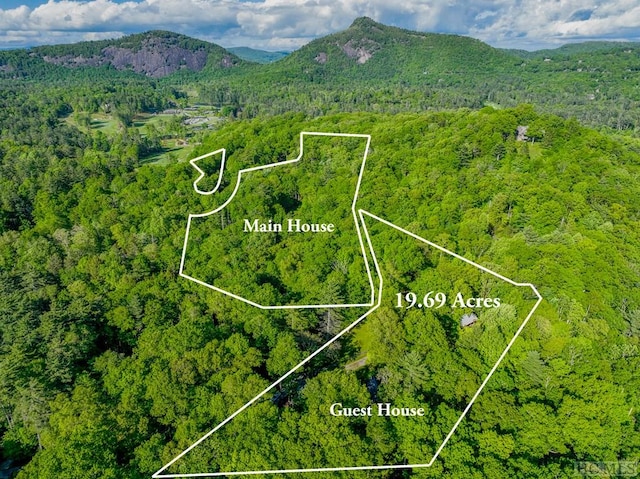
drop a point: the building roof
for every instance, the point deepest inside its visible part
(468, 319)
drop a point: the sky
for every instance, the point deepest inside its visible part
(288, 24)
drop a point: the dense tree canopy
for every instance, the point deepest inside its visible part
(111, 364)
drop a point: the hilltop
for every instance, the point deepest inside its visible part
(369, 50)
(154, 54)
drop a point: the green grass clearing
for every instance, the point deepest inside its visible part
(104, 123)
(171, 154)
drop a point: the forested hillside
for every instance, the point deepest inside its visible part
(111, 363)
(153, 54)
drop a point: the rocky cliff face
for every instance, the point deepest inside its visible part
(155, 57)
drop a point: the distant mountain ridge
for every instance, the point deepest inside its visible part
(367, 52)
(257, 56)
(588, 47)
(155, 54)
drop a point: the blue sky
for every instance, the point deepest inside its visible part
(289, 24)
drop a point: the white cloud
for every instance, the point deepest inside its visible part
(485, 14)
(548, 22)
(287, 24)
(17, 17)
(84, 16)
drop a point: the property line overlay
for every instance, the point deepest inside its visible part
(233, 194)
(361, 227)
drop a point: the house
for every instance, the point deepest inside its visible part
(468, 319)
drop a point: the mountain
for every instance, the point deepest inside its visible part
(154, 54)
(368, 50)
(257, 56)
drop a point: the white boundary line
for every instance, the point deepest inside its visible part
(361, 212)
(235, 190)
(202, 173)
(359, 219)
